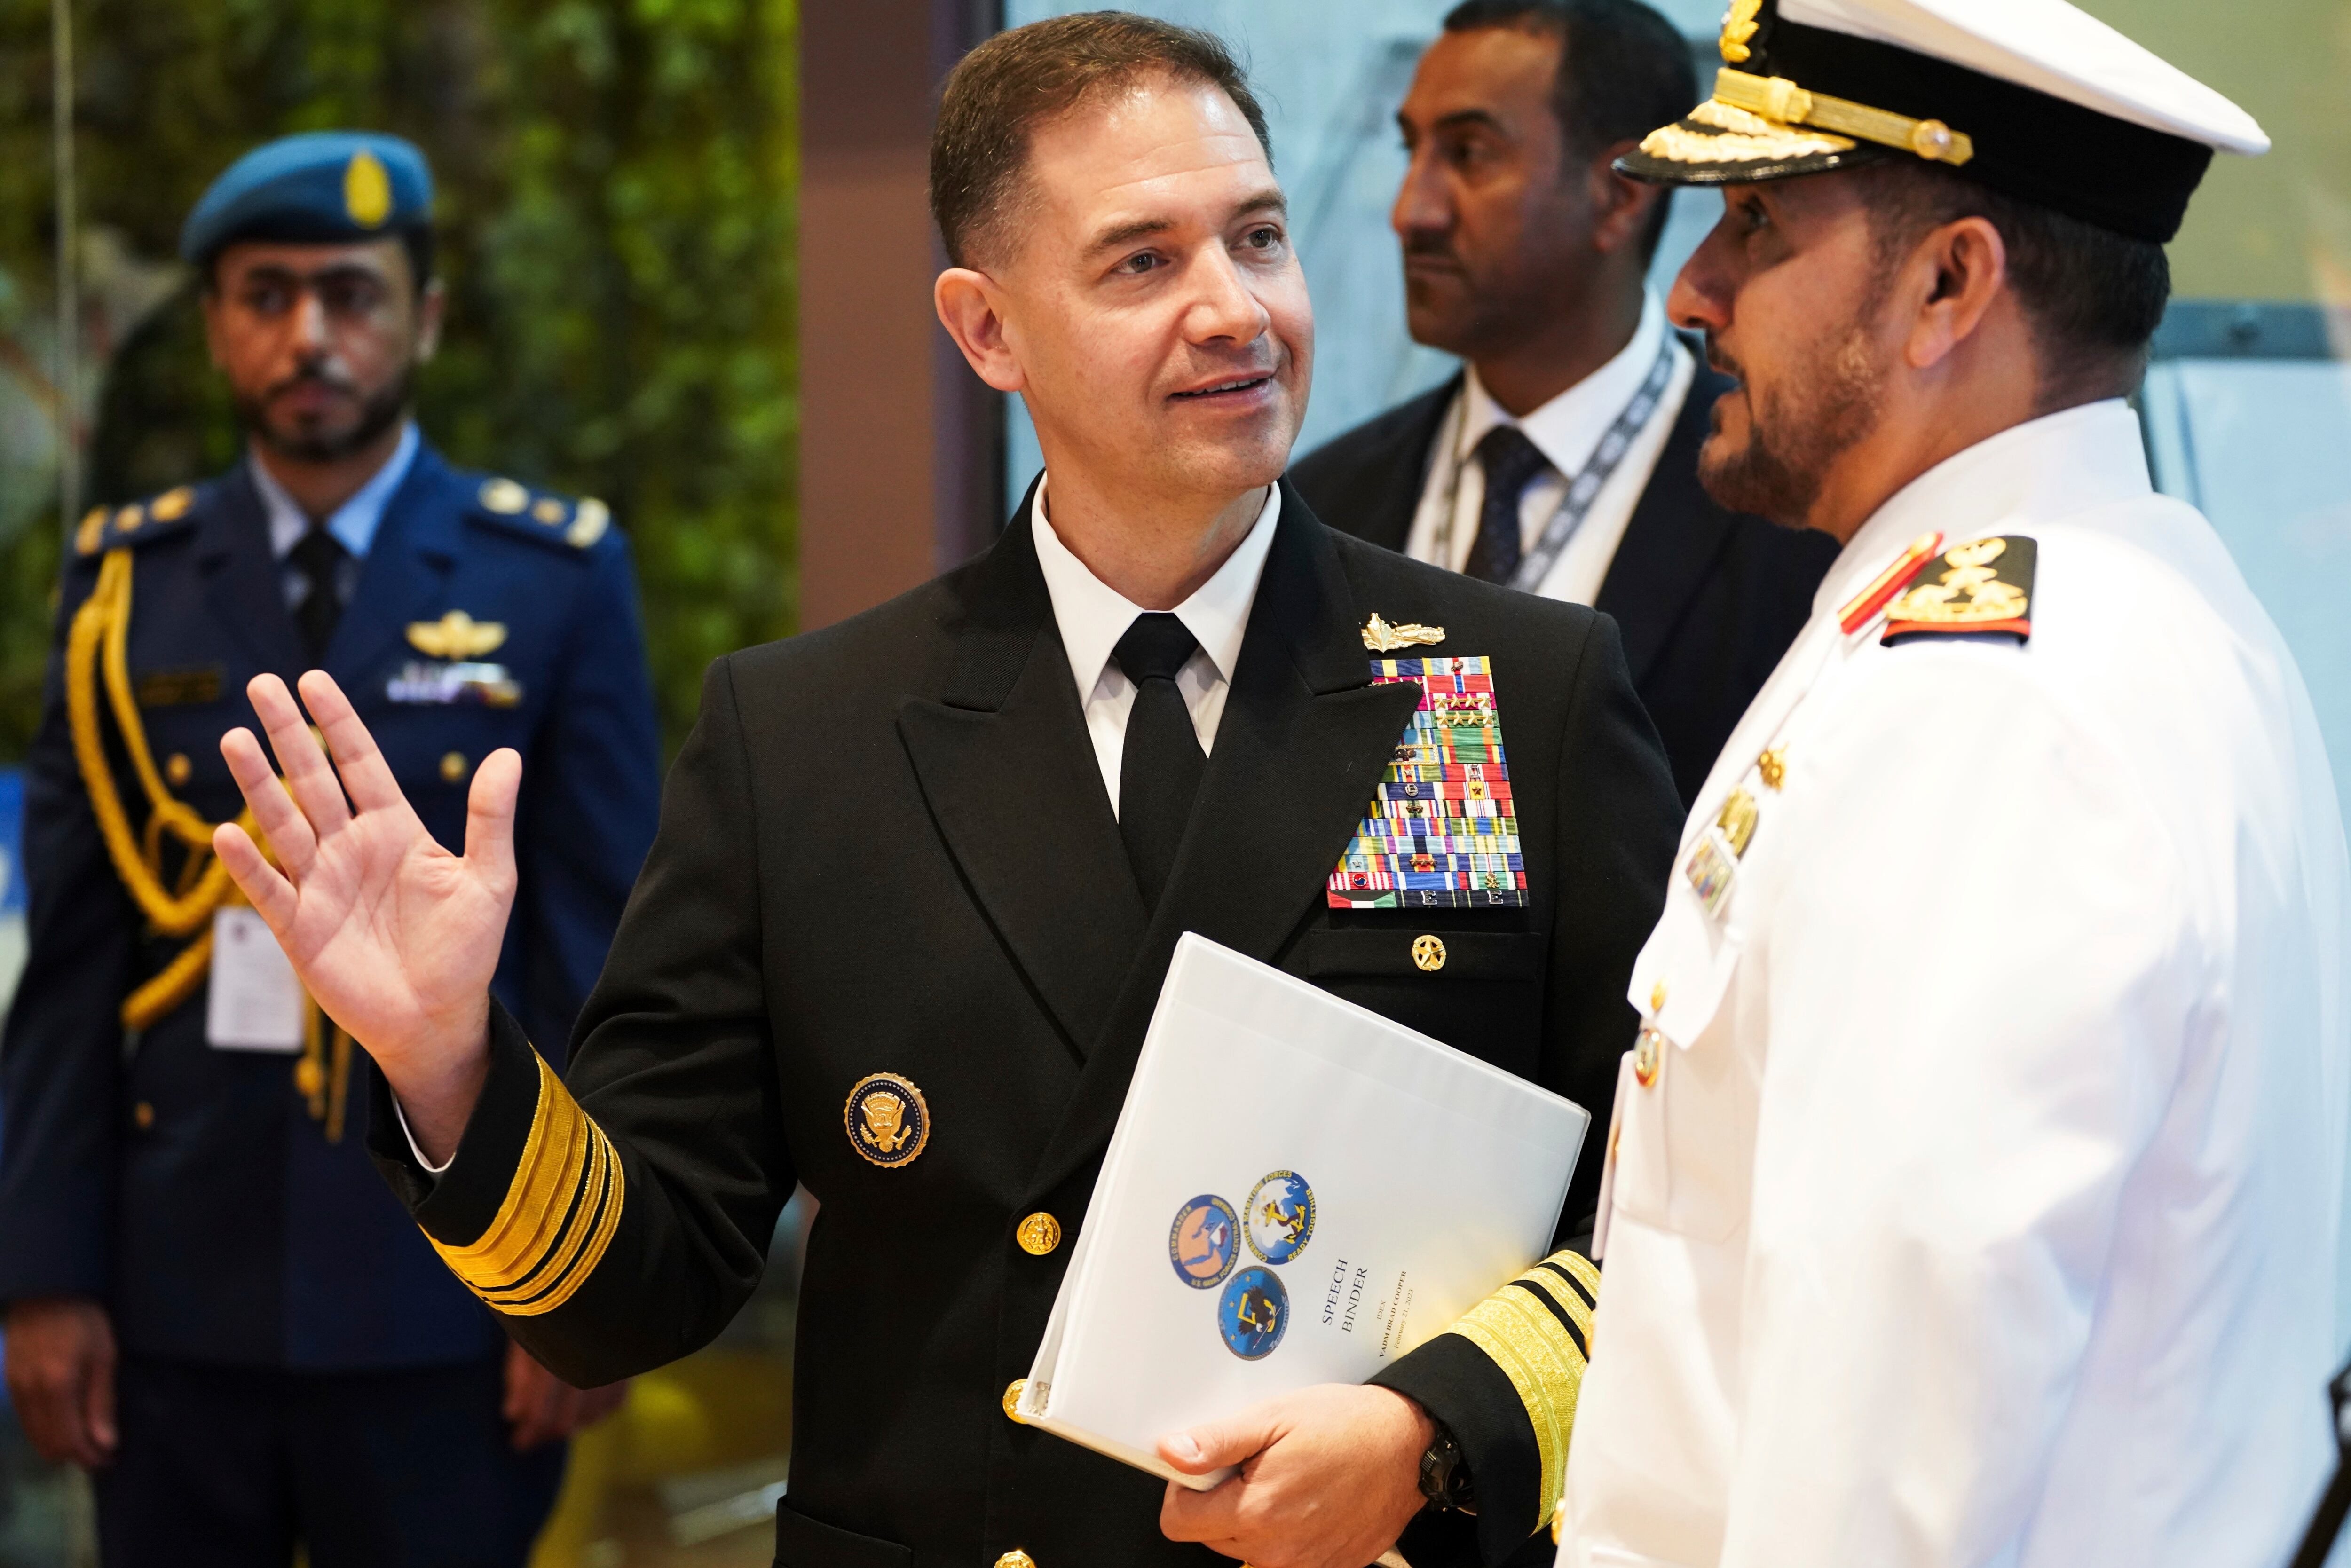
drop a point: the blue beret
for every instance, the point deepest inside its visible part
(323, 187)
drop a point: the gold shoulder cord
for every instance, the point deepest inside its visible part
(100, 634)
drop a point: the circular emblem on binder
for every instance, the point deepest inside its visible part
(887, 1120)
(1252, 1313)
(1205, 1242)
(1279, 1216)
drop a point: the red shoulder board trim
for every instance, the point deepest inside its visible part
(1981, 589)
(1871, 599)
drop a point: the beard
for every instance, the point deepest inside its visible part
(303, 442)
(1798, 429)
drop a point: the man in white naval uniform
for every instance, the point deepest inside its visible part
(1972, 1193)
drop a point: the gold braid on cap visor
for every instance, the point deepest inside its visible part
(1758, 118)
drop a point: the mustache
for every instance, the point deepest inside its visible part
(1428, 247)
(311, 375)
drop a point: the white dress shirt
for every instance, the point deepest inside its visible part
(353, 524)
(1567, 429)
(1980, 1207)
(1092, 616)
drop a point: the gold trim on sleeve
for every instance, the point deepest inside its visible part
(560, 1211)
(1527, 1340)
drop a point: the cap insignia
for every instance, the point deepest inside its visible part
(1381, 637)
(1739, 24)
(504, 496)
(367, 190)
(1982, 587)
(455, 636)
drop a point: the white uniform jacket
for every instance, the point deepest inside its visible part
(1973, 1192)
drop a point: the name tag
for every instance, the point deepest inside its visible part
(254, 1002)
(451, 686)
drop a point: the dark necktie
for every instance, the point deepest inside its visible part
(1160, 769)
(1511, 462)
(318, 557)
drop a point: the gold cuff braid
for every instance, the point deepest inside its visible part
(560, 1211)
(1537, 1330)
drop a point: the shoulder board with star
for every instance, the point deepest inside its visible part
(540, 514)
(104, 529)
(1980, 589)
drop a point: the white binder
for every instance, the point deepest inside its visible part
(1299, 1191)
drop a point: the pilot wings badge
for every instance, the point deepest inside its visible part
(455, 636)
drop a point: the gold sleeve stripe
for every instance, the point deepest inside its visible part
(560, 1213)
(1538, 1331)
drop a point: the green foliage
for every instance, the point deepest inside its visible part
(618, 186)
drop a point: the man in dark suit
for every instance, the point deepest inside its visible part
(1563, 460)
(210, 1300)
(919, 876)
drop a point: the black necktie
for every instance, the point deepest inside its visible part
(1159, 771)
(1511, 462)
(318, 557)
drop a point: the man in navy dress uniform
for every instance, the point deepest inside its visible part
(211, 1300)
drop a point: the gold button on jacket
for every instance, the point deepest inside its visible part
(1039, 1234)
(1016, 1558)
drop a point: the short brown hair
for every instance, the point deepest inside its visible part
(1005, 88)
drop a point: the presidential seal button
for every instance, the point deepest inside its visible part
(1646, 1057)
(504, 496)
(1429, 952)
(887, 1119)
(1012, 1392)
(1038, 1234)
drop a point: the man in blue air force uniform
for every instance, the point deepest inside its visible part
(211, 1300)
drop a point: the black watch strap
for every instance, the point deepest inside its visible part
(1445, 1474)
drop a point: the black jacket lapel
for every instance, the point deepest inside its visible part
(241, 584)
(1673, 538)
(1303, 740)
(1010, 774)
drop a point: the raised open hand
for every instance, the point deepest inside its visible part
(394, 936)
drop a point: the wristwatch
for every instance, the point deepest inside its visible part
(1445, 1474)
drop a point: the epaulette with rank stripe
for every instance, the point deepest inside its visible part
(1981, 589)
(536, 513)
(106, 528)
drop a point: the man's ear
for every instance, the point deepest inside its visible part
(1621, 208)
(970, 307)
(431, 308)
(1958, 273)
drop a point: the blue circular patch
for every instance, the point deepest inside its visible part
(1279, 1218)
(1253, 1313)
(1205, 1242)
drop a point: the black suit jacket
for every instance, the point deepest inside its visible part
(887, 847)
(1706, 599)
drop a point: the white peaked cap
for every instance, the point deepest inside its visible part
(2051, 48)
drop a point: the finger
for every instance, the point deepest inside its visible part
(263, 886)
(367, 778)
(97, 1405)
(1206, 1517)
(1215, 1444)
(490, 814)
(274, 811)
(310, 778)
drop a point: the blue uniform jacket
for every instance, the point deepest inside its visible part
(189, 1188)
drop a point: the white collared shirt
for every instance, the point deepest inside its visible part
(1567, 429)
(1972, 1197)
(353, 524)
(1092, 616)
